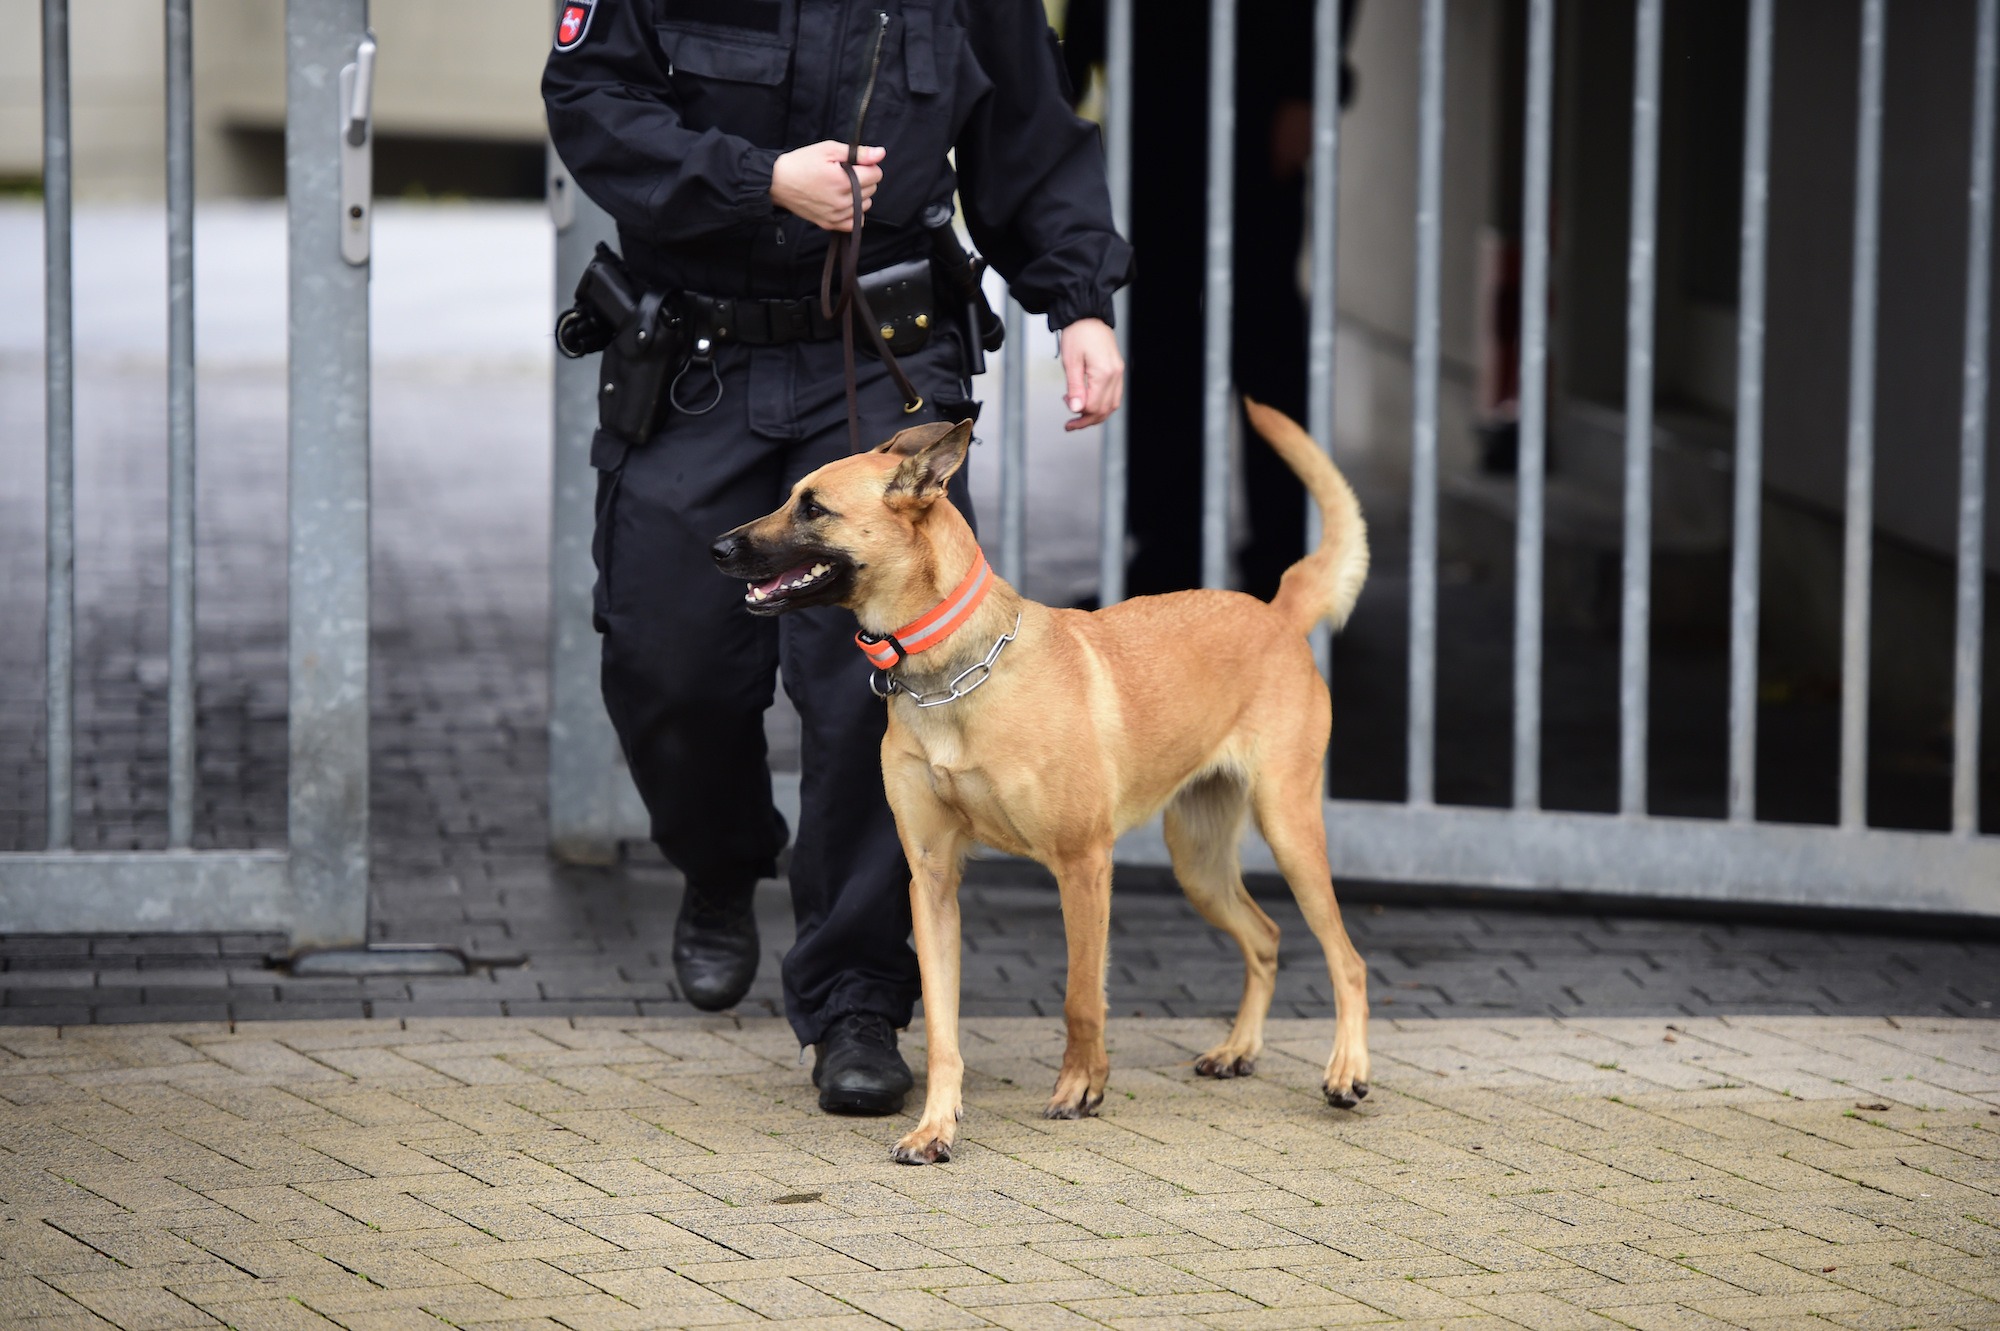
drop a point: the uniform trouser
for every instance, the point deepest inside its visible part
(688, 672)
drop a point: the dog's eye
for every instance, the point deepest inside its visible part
(811, 511)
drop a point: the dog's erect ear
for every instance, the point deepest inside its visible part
(926, 471)
(908, 443)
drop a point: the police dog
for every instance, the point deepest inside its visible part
(1206, 704)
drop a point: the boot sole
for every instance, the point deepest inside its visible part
(869, 1104)
(723, 1004)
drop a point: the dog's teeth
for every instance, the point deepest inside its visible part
(819, 569)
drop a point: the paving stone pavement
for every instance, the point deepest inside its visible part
(1767, 1172)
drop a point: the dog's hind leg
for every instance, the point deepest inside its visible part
(1204, 824)
(1084, 881)
(1287, 801)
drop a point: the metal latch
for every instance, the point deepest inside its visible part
(357, 151)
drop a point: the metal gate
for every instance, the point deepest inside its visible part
(1628, 853)
(316, 892)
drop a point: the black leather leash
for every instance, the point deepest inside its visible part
(852, 304)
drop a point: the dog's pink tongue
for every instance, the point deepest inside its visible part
(789, 575)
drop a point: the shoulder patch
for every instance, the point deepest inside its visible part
(574, 24)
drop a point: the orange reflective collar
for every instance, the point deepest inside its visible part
(928, 630)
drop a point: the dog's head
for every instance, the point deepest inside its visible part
(855, 531)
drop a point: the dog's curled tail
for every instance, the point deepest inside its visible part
(1325, 584)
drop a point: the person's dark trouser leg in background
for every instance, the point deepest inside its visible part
(688, 674)
(1269, 354)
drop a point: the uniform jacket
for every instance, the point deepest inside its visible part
(670, 113)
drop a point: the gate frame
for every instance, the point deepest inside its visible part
(1631, 853)
(316, 892)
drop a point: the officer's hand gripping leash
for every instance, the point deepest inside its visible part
(853, 303)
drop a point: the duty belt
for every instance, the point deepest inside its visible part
(760, 323)
(900, 297)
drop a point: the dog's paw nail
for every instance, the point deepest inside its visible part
(1361, 1090)
(1244, 1067)
(1341, 1099)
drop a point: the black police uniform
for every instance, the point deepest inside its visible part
(670, 114)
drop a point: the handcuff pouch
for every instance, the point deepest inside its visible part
(901, 298)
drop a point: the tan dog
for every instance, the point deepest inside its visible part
(1204, 703)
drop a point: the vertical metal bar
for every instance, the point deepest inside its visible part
(589, 788)
(1972, 436)
(1533, 431)
(61, 426)
(1325, 264)
(1118, 164)
(1424, 413)
(327, 413)
(1858, 572)
(1014, 444)
(1748, 544)
(1636, 618)
(1217, 398)
(180, 427)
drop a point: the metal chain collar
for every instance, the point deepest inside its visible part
(886, 686)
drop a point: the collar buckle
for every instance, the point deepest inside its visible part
(883, 650)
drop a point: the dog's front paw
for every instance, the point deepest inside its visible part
(1223, 1064)
(928, 1144)
(1073, 1098)
(1347, 1095)
(1346, 1081)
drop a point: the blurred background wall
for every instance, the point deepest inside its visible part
(457, 103)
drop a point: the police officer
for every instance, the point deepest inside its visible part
(715, 132)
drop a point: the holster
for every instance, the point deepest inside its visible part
(644, 338)
(638, 368)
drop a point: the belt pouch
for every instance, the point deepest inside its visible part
(638, 366)
(900, 296)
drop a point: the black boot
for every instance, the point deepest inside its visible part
(715, 944)
(857, 1068)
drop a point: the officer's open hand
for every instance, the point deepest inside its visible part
(1093, 371)
(808, 182)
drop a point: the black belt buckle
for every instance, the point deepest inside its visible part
(791, 321)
